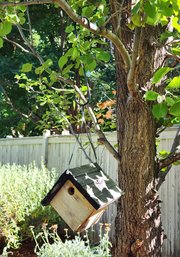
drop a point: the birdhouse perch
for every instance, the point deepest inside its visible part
(81, 195)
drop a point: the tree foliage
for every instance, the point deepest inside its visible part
(73, 50)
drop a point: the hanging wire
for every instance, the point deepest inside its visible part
(74, 134)
(88, 133)
(82, 106)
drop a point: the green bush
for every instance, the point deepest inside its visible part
(21, 191)
(76, 247)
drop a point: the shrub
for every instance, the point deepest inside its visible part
(22, 189)
(70, 248)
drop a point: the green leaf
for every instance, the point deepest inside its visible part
(159, 110)
(170, 101)
(75, 53)
(175, 23)
(22, 8)
(175, 83)
(136, 19)
(69, 29)
(164, 153)
(27, 67)
(62, 61)
(150, 10)
(159, 74)
(5, 28)
(88, 11)
(69, 52)
(103, 56)
(175, 109)
(53, 76)
(13, 18)
(84, 88)
(47, 64)
(151, 95)
(39, 70)
(175, 50)
(136, 8)
(91, 66)
(67, 69)
(1, 42)
(153, 21)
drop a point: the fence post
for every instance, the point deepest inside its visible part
(46, 134)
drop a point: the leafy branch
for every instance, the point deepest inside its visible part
(101, 31)
(102, 138)
(25, 3)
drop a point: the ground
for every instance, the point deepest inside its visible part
(26, 250)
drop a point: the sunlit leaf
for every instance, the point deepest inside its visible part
(5, 28)
(27, 67)
(91, 66)
(47, 63)
(136, 19)
(39, 70)
(159, 110)
(175, 109)
(1, 42)
(67, 69)
(62, 61)
(170, 101)
(175, 23)
(69, 29)
(151, 95)
(136, 8)
(159, 74)
(175, 83)
(103, 56)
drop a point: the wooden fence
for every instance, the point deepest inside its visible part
(56, 152)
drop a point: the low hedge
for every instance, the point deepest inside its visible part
(21, 191)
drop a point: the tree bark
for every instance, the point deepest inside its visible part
(138, 223)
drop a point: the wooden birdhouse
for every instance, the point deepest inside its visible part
(81, 195)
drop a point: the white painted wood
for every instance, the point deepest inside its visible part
(30, 149)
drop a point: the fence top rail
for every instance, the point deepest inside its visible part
(21, 140)
(169, 133)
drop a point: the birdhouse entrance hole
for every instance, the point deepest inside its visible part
(71, 190)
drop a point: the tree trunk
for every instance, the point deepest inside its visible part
(138, 224)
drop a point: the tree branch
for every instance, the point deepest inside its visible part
(84, 23)
(169, 160)
(18, 45)
(34, 52)
(36, 2)
(131, 83)
(29, 24)
(102, 138)
(99, 31)
(12, 105)
(173, 156)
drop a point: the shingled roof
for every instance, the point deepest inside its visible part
(96, 186)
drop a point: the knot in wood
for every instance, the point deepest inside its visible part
(136, 246)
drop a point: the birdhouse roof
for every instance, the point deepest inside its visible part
(95, 185)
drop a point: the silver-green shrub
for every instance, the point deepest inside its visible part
(21, 191)
(76, 247)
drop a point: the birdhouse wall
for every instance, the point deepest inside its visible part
(72, 206)
(92, 219)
